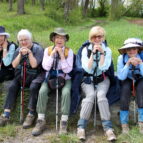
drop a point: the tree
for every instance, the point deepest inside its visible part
(68, 6)
(20, 7)
(42, 4)
(33, 2)
(85, 8)
(10, 5)
(115, 10)
(102, 9)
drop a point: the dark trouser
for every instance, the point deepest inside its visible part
(6, 75)
(126, 92)
(14, 89)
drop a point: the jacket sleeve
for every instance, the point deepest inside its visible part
(107, 60)
(9, 57)
(47, 61)
(67, 64)
(122, 70)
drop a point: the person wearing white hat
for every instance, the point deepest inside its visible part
(130, 72)
(7, 50)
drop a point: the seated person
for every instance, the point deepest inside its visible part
(130, 72)
(31, 54)
(7, 50)
(57, 61)
(95, 83)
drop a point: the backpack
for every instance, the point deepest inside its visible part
(78, 76)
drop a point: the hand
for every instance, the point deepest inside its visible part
(5, 44)
(60, 51)
(134, 61)
(97, 47)
(24, 51)
(53, 52)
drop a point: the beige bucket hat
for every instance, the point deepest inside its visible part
(131, 43)
(59, 31)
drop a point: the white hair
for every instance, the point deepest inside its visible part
(24, 32)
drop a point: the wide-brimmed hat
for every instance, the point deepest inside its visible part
(131, 43)
(59, 31)
(2, 32)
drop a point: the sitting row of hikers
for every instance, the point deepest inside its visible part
(91, 72)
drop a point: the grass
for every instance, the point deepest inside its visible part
(41, 25)
(7, 131)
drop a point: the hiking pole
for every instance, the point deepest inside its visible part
(23, 80)
(134, 92)
(57, 99)
(95, 71)
(57, 91)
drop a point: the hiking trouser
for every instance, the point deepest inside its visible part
(140, 114)
(124, 117)
(126, 92)
(6, 74)
(90, 93)
(65, 98)
(14, 89)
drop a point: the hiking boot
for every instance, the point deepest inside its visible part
(125, 128)
(3, 120)
(28, 121)
(141, 127)
(40, 126)
(110, 135)
(81, 133)
(63, 127)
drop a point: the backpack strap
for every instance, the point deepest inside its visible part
(50, 50)
(66, 51)
(124, 59)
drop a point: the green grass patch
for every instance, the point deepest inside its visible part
(70, 138)
(7, 131)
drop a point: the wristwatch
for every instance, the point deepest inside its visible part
(101, 53)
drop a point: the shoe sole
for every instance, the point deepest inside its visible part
(39, 133)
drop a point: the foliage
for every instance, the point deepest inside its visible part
(135, 9)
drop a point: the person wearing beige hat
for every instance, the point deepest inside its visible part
(58, 62)
(130, 72)
(7, 50)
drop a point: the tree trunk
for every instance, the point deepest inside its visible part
(10, 5)
(114, 13)
(85, 8)
(20, 7)
(33, 2)
(67, 8)
(42, 4)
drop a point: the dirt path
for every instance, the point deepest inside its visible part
(137, 21)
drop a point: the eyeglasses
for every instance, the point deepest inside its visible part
(23, 40)
(60, 37)
(98, 36)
